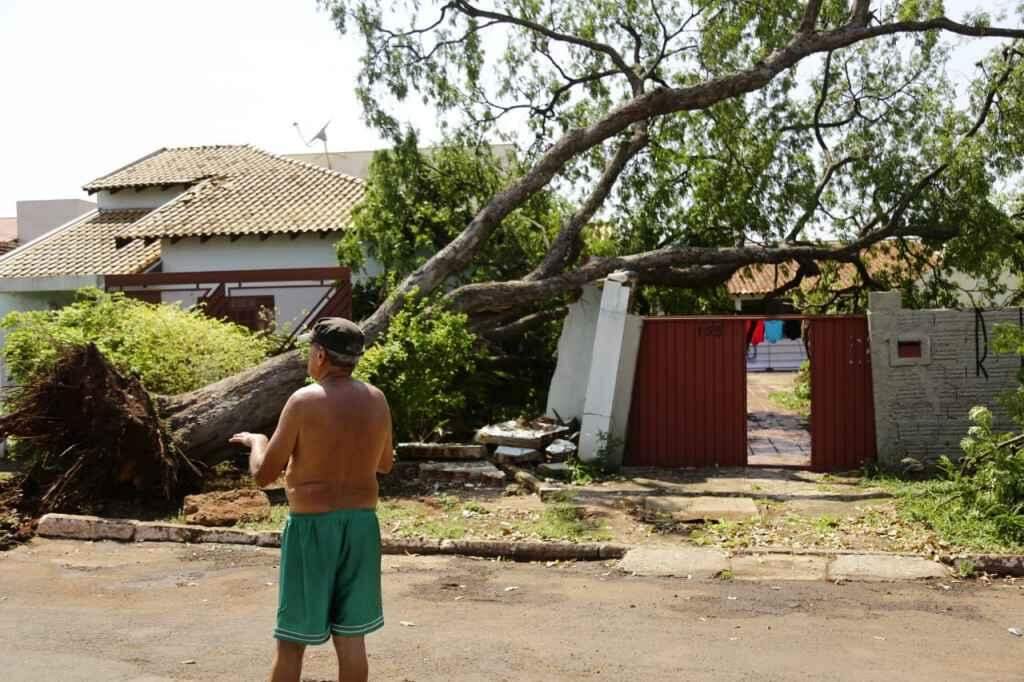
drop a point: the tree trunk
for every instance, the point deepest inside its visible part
(202, 421)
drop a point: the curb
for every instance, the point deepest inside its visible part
(996, 564)
(93, 528)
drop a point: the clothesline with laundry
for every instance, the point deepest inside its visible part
(772, 331)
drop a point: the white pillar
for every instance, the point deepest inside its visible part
(612, 365)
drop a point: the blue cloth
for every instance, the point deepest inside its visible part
(773, 331)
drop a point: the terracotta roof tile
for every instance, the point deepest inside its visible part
(758, 280)
(245, 191)
(178, 165)
(8, 246)
(86, 247)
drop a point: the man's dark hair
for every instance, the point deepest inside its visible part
(341, 361)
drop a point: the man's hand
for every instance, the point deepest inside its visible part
(249, 440)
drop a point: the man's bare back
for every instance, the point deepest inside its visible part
(333, 437)
(344, 439)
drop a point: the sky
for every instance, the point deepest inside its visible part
(89, 86)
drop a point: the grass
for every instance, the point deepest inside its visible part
(447, 517)
(867, 528)
(566, 521)
(934, 503)
(788, 401)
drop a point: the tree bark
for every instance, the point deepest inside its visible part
(202, 421)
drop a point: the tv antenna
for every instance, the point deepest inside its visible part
(321, 135)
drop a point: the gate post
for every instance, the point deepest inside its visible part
(612, 366)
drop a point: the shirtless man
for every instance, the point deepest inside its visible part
(334, 437)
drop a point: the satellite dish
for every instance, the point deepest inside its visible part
(321, 135)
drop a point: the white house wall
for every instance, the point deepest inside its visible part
(292, 303)
(249, 253)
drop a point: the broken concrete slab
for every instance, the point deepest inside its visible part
(682, 562)
(557, 470)
(683, 508)
(537, 434)
(507, 454)
(779, 567)
(85, 527)
(884, 568)
(560, 450)
(483, 473)
(226, 508)
(440, 451)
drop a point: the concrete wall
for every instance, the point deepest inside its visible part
(124, 199)
(575, 349)
(36, 218)
(921, 404)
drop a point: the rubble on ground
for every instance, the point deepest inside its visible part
(439, 451)
(507, 454)
(226, 508)
(536, 434)
(560, 450)
(483, 473)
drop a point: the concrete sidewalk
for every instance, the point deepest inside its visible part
(704, 563)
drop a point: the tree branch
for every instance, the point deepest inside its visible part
(810, 18)
(516, 329)
(613, 54)
(560, 255)
(821, 103)
(655, 103)
(801, 222)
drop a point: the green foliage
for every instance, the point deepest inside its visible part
(799, 399)
(599, 468)
(988, 480)
(417, 201)
(170, 349)
(419, 364)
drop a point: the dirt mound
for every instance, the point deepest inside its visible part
(226, 508)
(94, 436)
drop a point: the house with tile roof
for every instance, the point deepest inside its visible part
(247, 234)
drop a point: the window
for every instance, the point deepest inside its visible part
(908, 349)
(254, 312)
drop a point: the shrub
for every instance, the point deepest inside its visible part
(419, 364)
(171, 350)
(988, 481)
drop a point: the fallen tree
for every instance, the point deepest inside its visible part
(686, 125)
(689, 126)
(92, 435)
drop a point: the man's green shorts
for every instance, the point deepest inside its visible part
(330, 576)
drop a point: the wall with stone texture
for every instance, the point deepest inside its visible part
(921, 404)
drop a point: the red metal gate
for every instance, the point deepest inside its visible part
(842, 403)
(689, 406)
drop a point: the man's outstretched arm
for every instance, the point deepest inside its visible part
(268, 458)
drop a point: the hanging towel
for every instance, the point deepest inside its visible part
(773, 331)
(758, 336)
(791, 329)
